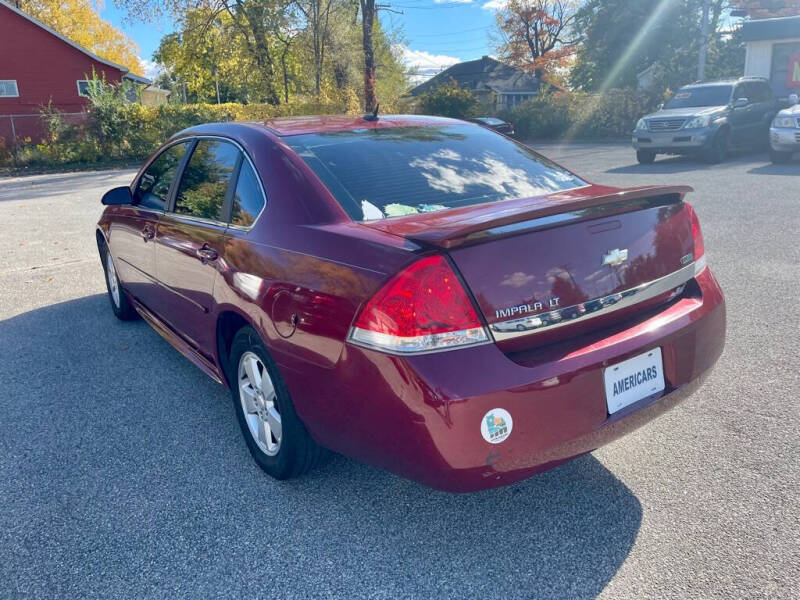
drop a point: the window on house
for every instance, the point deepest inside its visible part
(8, 88)
(85, 86)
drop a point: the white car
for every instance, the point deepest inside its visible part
(784, 133)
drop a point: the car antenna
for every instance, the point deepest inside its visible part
(374, 115)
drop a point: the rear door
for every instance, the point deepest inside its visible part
(132, 231)
(746, 119)
(764, 111)
(190, 241)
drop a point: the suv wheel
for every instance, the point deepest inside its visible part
(779, 157)
(274, 434)
(718, 150)
(645, 157)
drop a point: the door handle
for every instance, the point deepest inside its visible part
(148, 233)
(206, 254)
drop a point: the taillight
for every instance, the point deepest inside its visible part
(422, 308)
(699, 246)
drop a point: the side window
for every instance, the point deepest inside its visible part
(749, 91)
(154, 184)
(205, 179)
(248, 199)
(764, 92)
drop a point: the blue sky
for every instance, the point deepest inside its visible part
(438, 33)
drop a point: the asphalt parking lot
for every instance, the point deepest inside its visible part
(122, 471)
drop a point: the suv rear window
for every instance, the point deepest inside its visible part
(707, 95)
(395, 171)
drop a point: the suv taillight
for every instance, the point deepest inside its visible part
(699, 246)
(422, 308)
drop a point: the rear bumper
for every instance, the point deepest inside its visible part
(672, 142)
(420, 416)
(784, 139)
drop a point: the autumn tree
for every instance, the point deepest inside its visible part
(536, 34)
(256, 21)
(79, 21)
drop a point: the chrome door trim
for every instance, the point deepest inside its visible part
(546, 321)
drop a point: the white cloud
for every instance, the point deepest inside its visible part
(495, 4)
(452, 1)
(426, 64)
(151, 69)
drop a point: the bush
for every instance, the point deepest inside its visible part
(580, 115)
(449, 101)
(115, 129)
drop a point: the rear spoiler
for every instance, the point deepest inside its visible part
(546, 212)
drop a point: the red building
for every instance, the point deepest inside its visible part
(39, 66)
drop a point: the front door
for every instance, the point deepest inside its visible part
(132, 232)
(190, 240)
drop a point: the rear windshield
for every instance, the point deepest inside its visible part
(711, 95)
(395, 171)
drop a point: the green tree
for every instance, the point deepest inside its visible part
(449, 100)
(212, 51)
(621, 38)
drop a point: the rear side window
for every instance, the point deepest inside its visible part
(153, 187)
(205, 179)
(247, 199)
(395, 171)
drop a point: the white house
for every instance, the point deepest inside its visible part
(773, 51)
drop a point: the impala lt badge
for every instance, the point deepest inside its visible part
(615, 257)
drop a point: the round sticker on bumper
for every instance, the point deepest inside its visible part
(496, 425)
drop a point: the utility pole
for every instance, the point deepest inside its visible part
(368, 11)
(701, 58)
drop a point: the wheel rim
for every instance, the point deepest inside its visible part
(113, 283)
(257, 395)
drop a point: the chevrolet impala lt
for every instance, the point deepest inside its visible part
(419, 293)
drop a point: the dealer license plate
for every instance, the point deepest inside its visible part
(634, 379)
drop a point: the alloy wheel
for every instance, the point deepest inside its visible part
(257, 395)
(113, 282)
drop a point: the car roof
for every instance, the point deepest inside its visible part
(287, 126)
(729, 81)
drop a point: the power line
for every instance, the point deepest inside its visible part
(438, 35)
(435, 7)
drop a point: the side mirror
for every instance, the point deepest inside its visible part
(793, 99)
(117, 196)
(661, 106)
(740, 102)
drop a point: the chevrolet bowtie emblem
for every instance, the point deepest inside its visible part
(615, 257)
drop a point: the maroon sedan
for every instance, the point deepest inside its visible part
(419, 293)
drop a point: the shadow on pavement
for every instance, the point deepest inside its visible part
(122, 472)
(683, 164)
(791, 168)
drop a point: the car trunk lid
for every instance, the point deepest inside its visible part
(542, 269)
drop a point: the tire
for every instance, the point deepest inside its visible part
(645, 157)
(718, 150)
(778, 157)
(120, 304)
(289, 453)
